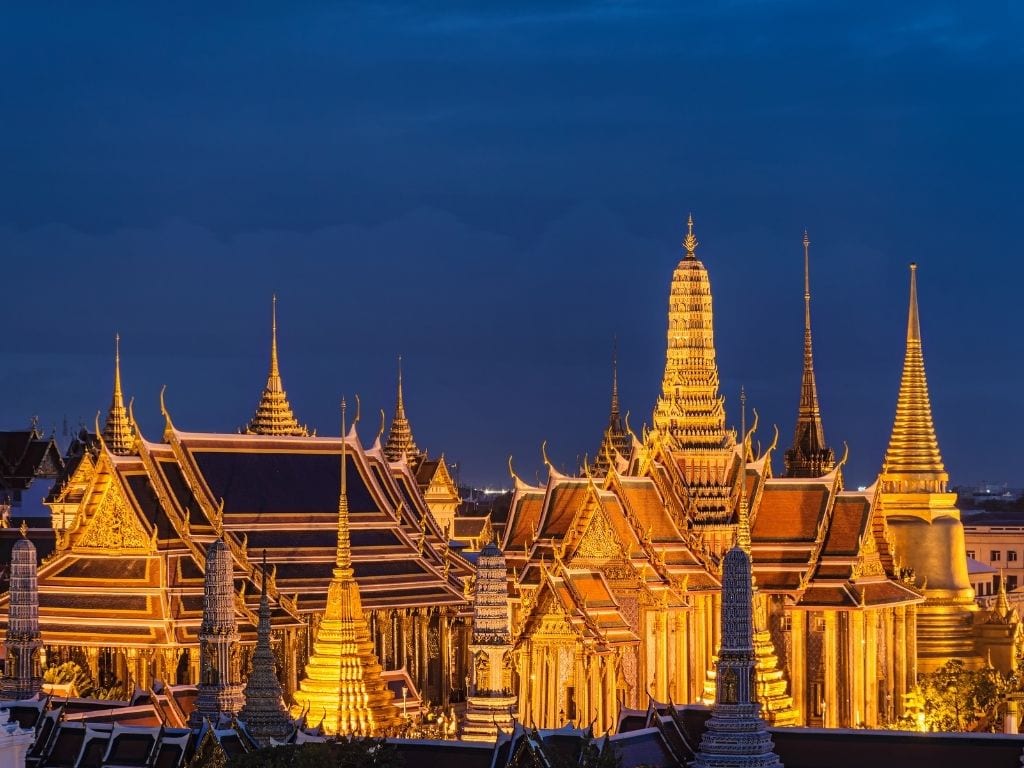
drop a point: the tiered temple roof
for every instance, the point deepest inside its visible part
(136, 547)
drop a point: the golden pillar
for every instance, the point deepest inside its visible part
(660, 655)
(830, 652)
(681, 656)
(798, 663)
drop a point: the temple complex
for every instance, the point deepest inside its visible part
(616, 578)
(675, 568)
(922, 516)
(122, 593)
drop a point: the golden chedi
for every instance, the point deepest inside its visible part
(922, 516)
(343, 688)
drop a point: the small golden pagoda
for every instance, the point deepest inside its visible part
(274, 414)
(117, 430)
(922, 516)
(400, 443)
(343, 682)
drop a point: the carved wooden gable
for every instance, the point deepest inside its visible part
(114, 526)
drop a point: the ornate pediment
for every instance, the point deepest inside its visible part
(598, 541)
(114, 526)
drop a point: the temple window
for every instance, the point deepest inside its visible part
(995, 555)
(1011, 555)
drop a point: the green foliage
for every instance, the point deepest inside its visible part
(344, 752)
(582, 752)
(958, 699)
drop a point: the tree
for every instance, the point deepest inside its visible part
(959, 699)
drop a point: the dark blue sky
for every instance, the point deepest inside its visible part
(496, 189)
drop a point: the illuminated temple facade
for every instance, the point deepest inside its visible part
(617, 573)
(601, 592)
(136, 520)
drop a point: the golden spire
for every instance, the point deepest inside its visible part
(400, 443)
(343, 682)
(690, 413)
(616, 438)
(690, 241)
(117, 431)
(274, 414)
(743, 526)
(809, 456)
(913, 462)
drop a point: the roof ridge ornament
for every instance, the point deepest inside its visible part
(274, 415)
(690, 242)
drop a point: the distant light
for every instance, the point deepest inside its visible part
(862, 487)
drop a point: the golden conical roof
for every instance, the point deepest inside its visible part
(400, 443)
(913, 462)
(690, 412)
(117, 431)
(809, 456)
(274, 414)
(343, 682)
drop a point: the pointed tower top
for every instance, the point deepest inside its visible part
(913, 319)
(913, 462)
(274, 414)
(400, 443)
(743, 526)
(117, 431)
(690, 242)
(690, 412)
(615, 378)
(809, 456)
(274, 379)
(616, 438)
(343, 557)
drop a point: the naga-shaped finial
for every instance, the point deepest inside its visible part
(690, 241)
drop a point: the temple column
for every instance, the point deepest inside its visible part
(92, 655)
(872, 665)
(132, 665)
(291, 669)
(711, 641)
(856, 648)
(422, 655)
(900, 674)
(681, 673)
(405, 641)
(660, 656)
(830, 651)
(610, 697)
(911, 646)
(798, 662)
(444, 633)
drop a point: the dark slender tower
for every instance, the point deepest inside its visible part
(264, 713)
(809, 456)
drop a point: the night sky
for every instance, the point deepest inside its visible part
(495, 191)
